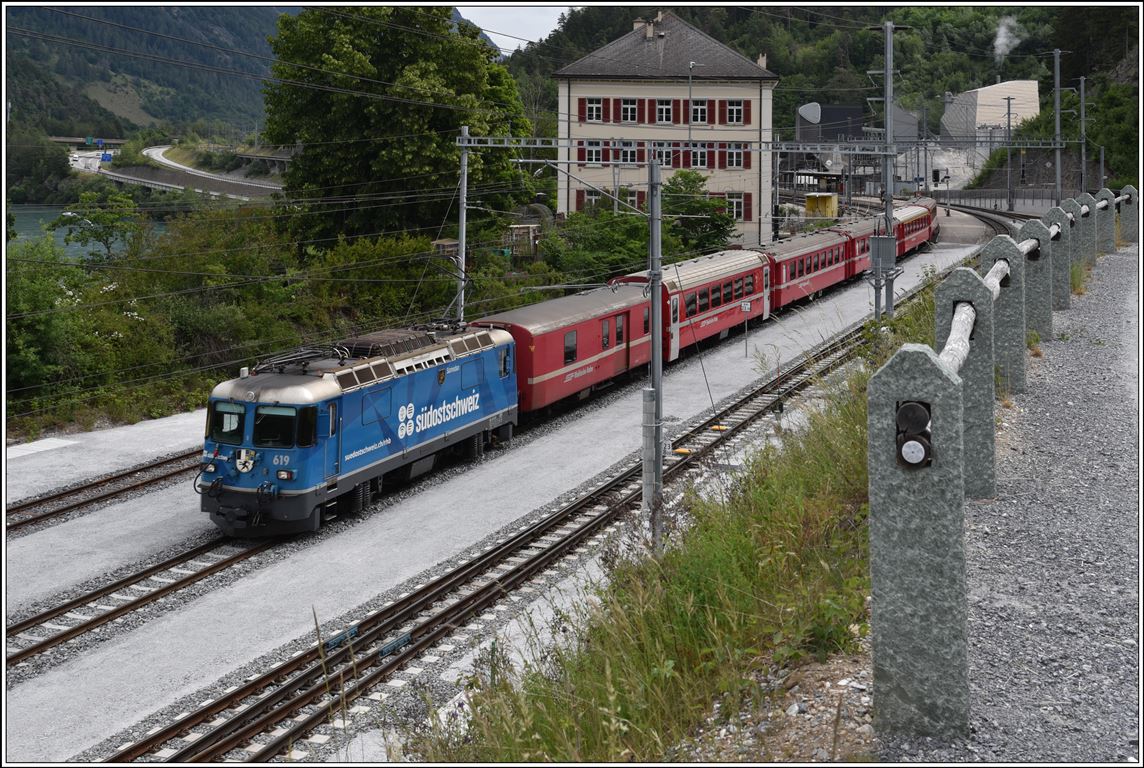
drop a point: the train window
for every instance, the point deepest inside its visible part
(605, 334)
(814, 264)
(716, 297)
(739, 288)
(333, 419)
(727, 292)
(674, 309)
(801, 267)
(646, 324)
(505, 362)
(704, 300)
(226, 422)
(570, 347)
(274, 426)
(689, 303)
(307, 426)
(619, 329)
(750, 284)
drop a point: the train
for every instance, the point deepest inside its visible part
(320, 430)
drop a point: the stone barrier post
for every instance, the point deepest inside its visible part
(1106, 222)
(1038, 280)
(1009, 313)
(917, 548)
(1072, 206)
(976, 373)
(1130, 215)
(1088, 246)
(1062, 257)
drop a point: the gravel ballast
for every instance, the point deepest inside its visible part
(1053, 563)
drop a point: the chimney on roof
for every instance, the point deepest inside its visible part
(638, 24)
(762, 60)
(659, 16)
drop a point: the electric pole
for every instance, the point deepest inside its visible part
(1083, 144)
(653, 395)
(1057, 124)
(461, 224)
(1008, 153)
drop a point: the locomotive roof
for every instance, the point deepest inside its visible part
(557, 313)
(312, 375)
(705, 269)
(859, 228)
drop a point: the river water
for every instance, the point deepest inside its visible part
(30, 220)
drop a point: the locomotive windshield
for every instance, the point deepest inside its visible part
(226, 423)
(274, 426)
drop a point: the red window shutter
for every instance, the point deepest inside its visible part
(722, 154)
(710, 158)
(641, 154)
(746, 156)
(747, 206)
(641, 198)
(722, 111)
(606, 152)
(641, 111)
(582, 105)
(607, 108)
(651, 113)
(676, 111)
(579, 199)
(581, 152)
(746, 111)
(686, 153)
(675, 153)
(686, 111)
(617, 112)
(710, 111)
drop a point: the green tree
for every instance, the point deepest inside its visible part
(701, 222)
(101, 219)
(390, 88)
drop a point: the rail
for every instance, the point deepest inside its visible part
(931, 444)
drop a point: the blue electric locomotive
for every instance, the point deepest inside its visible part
(322, 428)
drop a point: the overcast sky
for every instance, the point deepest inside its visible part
(531, 22)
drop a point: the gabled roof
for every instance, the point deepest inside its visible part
(665, 53)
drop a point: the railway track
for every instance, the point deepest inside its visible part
(77, 617)
(37, 510)
(263, 717)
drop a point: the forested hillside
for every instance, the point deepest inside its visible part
(146, 64)
(822, 54)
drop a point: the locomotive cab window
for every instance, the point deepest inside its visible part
(505, 362)
(307, 426)
(605, 335)
(570, 347)
(226, 423)
(274, 426)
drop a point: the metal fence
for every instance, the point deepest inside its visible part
(931, 444)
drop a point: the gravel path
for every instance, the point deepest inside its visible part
(1053, 563)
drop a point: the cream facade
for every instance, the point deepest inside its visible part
(668, 91)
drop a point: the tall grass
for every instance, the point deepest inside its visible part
(776, 573)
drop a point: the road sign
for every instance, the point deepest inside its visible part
(99, 142)
(105, 157)
(88, 141)
(745, 306)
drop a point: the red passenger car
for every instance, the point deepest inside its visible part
(806, 265)
(709, 295)
(570, 345)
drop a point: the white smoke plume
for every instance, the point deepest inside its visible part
(1006, 39)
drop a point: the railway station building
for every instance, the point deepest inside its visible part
(669, 91)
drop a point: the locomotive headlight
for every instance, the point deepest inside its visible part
(285, 474)
(209, 468)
